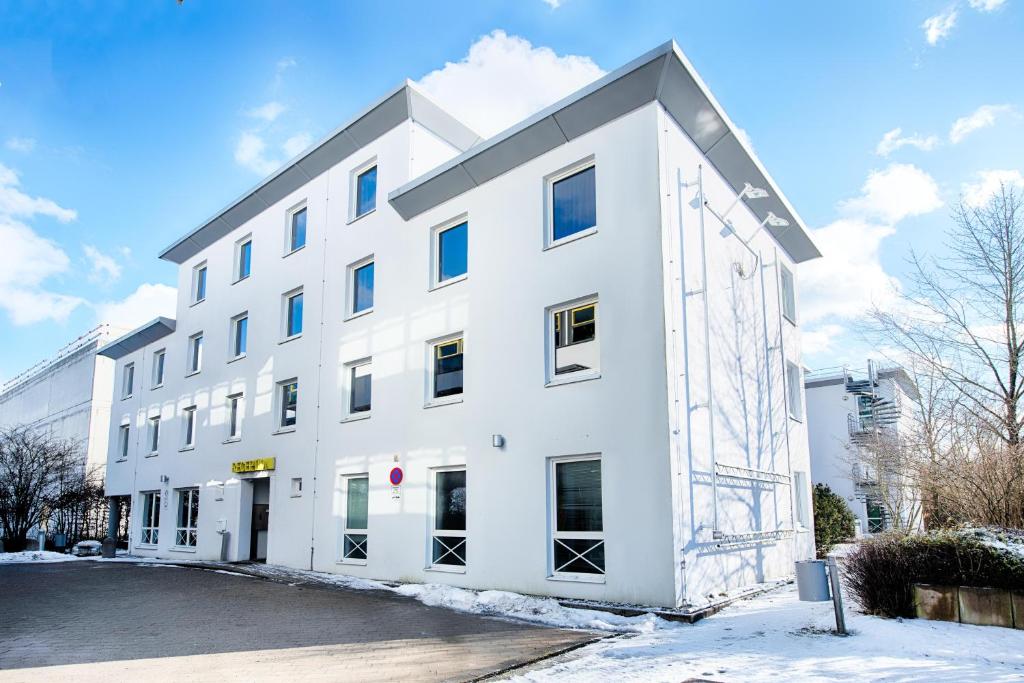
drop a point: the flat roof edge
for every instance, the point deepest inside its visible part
(141, 336)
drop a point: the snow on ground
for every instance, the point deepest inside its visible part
(775, 637)
(37, 556)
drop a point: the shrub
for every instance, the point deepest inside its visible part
(833, 521)
(881, 571)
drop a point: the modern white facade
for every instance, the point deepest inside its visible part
(847, 411)
(583, 376)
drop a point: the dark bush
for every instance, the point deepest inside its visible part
(833, 521)
(882, 570)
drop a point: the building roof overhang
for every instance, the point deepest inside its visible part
(663, 75)
(137, 338)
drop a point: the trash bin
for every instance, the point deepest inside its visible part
(108, 548)
(811, 581)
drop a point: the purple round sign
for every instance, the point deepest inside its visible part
(396, 476)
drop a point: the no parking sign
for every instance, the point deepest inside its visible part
(396, 477)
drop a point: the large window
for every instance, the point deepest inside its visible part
(239, 335)
(297, 229)
(188, 518)
(448, 540)
(803, 519)
(158, 367)
(573, 204)
(289, 392)
(199, 283)
(123, 433)
(189, 436)
(360, 387)
(292, 314)
(357, 505)
(235, 416)
(150, 517)
(128, 381)
(366, 191)
(154, 434)
(577, 533)
(195, 353)
(243, 259)
(794, 390)
(574, 345)
(446, 368)
(451, 252)
(788, 294)
(361, 286)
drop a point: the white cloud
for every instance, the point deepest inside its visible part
(145, 303)
(23, 145)
(503, 79)
(938, 27)
(104, 268)
(267, 112)
(14, 202)
(986, 5)
(821, 339)
(26, 261)
(894, 193)
(296, 143)
(978, 193)
(895, 140)
(250, 152)
(553, 4)
(982, 117)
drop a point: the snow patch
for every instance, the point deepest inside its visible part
(36, 556)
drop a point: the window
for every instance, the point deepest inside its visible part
(446, 368)
(357, 504)
(239, 334)
(577, 530)
(573, 342)
(451, 255)
(189, 440)
(360, 377)
(150, 517)
(296, 229)
(794, 391)
(366, 190)
(243, 258)
(573, 204)
(158, 368)
(188, 516)
(448, 539)
(289, 392)
(876, 516)
(296, 487)
(361, 286)
(122, 442)
(154, 434)
(199, 283)
(788, 294)
(128, 380)
(293, 314)
(235, 416)
(800, 492)
(195, 353)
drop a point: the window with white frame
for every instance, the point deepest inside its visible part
(360, 286)
(296, 229)
(364, 189)
(199, 283)
(292, 311)
(150, 518)
(572, 340)
(448, 535)
(451, 252)
(446, 378)
(123, 434)
(788, 287)
(154, 434)
(577, 524)
(159, 358)
(239, 335)
(195, 353)
(571, 203)
(354, 536)
(296, 487)
(128, 381)
(188, 518)
(235, 416)
(243, 258)
(360, 387)
(288, 391)
(800, 492)
(794, 390)
(189, 434)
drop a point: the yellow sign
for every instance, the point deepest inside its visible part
(257, 465)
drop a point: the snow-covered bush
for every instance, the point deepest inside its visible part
(833, 521)
(882, 570)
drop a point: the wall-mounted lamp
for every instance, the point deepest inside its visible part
(164, 479)
(497, 440)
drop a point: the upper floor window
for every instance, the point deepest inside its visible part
(361, 286)
(158, 367)
(450, 247)
(572, 204)
(123, 433)
(189, 437)
(195, 353)
(243, 258)
(360, 377)
(788, 294)
(128, 381)
(574, 344)
(235, 416)
(239, 335)
(289, 392)
(154, 434)
(297, 229)
(199, 283)
(365, 190)
(446, 368)
(794, 390)
(293, 314)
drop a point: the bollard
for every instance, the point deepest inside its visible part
(108, 548)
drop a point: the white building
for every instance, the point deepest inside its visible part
(535, 362)
(848, 411)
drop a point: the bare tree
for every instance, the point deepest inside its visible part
(38, 474)
(889, 470)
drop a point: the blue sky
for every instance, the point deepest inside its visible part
(125, 124)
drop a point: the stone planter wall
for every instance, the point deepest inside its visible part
(970, 605)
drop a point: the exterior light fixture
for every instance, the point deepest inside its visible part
(497, 440)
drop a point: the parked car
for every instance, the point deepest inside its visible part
(86, 548)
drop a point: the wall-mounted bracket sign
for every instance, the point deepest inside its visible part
(257, 465)
(396, 477)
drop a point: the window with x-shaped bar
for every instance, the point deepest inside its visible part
(357, 505)
(448, 538)
(577, 530)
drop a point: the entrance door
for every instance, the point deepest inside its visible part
(260, 520)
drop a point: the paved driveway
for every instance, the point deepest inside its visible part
(112, 621)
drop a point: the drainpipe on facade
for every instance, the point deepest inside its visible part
(715, 531)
